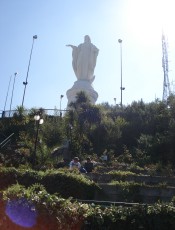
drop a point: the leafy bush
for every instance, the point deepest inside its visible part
(160, 169)
(52, 212)
(64, 182)
(46, 211)
(158, 216)
(133, 167)
(121, 173)
(69, 184)
(129, 190)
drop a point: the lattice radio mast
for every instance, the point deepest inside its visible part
(166, 84)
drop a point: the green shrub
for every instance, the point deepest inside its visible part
(136, 168)
(57, 213)
(157, 217)
(52, 211)
(129, 191)
(69, 184)
(66, 183)
(121, 174)
(160, 169)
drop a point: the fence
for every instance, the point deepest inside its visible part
(49, 112)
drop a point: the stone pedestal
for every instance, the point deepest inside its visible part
(82, 85)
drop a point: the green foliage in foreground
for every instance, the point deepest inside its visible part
(121, 173)
(64, 182)
(58, 213)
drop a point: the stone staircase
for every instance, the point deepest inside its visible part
(147, 189)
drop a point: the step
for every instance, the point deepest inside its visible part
(147, 179)
(115, 193)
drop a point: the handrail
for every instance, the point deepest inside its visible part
(4, 142)
(108, 203)
(9, 113)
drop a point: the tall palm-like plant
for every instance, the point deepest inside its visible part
(82, 117)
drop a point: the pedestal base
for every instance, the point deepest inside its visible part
(82, 85)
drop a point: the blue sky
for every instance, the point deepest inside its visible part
(59, 22)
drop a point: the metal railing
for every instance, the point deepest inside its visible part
(109, 203)
(49, 112)
(6, 141)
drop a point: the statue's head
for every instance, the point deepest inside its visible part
(87, 38)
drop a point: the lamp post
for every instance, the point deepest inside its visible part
(12, 92)
(7, 93)
(70, 127)
(115, 101)
(70, 132)
(39, 121)
(25, 83)
(60, 104)
(121, 86)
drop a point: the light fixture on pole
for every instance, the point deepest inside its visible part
(12, 92)
(60, 105)
(39, 121)
(121, 86)
(25, 83)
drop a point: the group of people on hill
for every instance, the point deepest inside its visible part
(87, 167)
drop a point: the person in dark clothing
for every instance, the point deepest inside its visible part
(89, 166)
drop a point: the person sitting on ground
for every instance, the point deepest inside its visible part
(104, 157)
(88, 165)
(75, 164)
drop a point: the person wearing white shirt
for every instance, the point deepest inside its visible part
(75, 163)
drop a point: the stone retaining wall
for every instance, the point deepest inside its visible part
(143, 195)
(106, 178)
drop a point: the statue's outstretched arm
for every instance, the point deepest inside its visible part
(71, 46)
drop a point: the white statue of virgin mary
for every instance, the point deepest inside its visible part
(84, 59)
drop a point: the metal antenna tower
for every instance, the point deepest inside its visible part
(166, 84)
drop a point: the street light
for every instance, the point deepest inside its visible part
(25, 83)
(60, 104)
(39, 121)
(12, 92)
(70, 127)
(7, 93)
(121, 87)
(115, 100)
